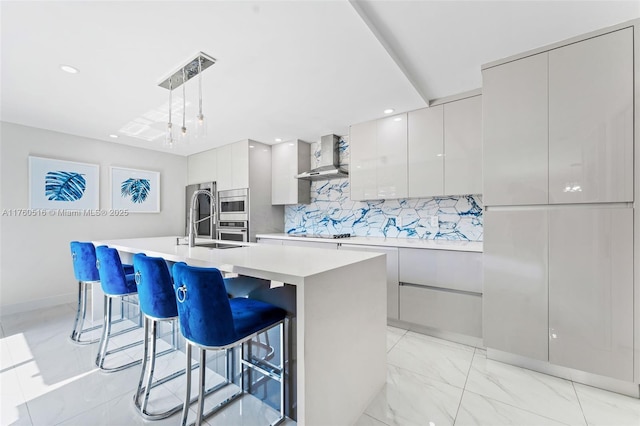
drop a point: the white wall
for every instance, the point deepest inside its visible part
(35, 261)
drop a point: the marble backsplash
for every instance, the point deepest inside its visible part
(331, 211)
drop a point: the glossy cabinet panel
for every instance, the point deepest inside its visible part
(515, 297)
(391, 168)
(225, 168)
(463, 146)
(455, 270)
(240, 163)
(591, 290)
(392, 273)
(591, 120)
(425, 152)
(515, 127)
(287, 160)
(441, 309)
(362, 170)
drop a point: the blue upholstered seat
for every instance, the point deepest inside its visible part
(158, 303)
(83, 255)
(210, 320)
(115, 283)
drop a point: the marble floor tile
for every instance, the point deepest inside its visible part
(411, 399)
(602, 408)
(478, 410)
(13, 405)
(393, 336)
(525, 389)
(367, 420)
(447, 362)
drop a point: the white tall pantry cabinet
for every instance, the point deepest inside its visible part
(559, 217)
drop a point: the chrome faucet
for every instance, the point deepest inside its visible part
(192, 214)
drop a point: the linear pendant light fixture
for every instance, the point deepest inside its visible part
(193, 68)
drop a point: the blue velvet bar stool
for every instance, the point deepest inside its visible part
(83, 255)
(115, 285)
(209, 320)
(157, 303)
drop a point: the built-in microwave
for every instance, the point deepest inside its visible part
(233, 205)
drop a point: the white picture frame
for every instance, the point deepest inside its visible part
(137, 191)
(60, 184)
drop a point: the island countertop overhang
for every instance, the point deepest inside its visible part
(290, 265)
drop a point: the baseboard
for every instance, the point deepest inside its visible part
(441, 334)
(590, 379)
(33, 305)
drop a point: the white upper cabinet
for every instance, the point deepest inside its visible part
(289, 159)
(591, 120)
(425, 152)
(233, 165)
(362, 171)
(379, 159)
(462, 146)
(202, 167)
(391, 168)
(224, 179)
(515, 127)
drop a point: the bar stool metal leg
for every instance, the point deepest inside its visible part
(81, 313)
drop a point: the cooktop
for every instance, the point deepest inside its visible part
(329, 236)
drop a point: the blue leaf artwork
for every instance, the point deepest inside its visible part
(64, 186)
(137, 189)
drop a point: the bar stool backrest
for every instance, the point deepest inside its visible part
(112, 277)
(155, 287)
(203, 306)
(84, 261)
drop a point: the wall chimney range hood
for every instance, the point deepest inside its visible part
(329, 167)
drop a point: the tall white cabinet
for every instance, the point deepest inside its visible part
(558, 185)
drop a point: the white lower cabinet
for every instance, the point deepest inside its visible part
(558, 286)
(516, 286)
(441, 289)
(313, 244)
(591, 290)
(392, 273)
(441, 309)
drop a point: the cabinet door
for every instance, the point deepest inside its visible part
(284, 185)
(454, 270)
(591, 120)
(362, 171)
(515, 284)
(240, 163)
(202, 167)
(463, 147)
(391, 170)
(425, 152)
(392, 273)
(225, 168)
(515, 126)
(591, 290)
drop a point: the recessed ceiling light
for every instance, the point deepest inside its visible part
(278, 139)
(113, 136)
(397, 119)
(291, 144)
(388, 110)
(69, 69)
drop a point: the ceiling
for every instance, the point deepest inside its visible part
(284, 69)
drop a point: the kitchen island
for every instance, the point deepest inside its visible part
(338, 300)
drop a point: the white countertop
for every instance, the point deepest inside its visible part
(279, 263)
(473, 246)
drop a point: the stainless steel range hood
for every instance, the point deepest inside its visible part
(329, 167)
